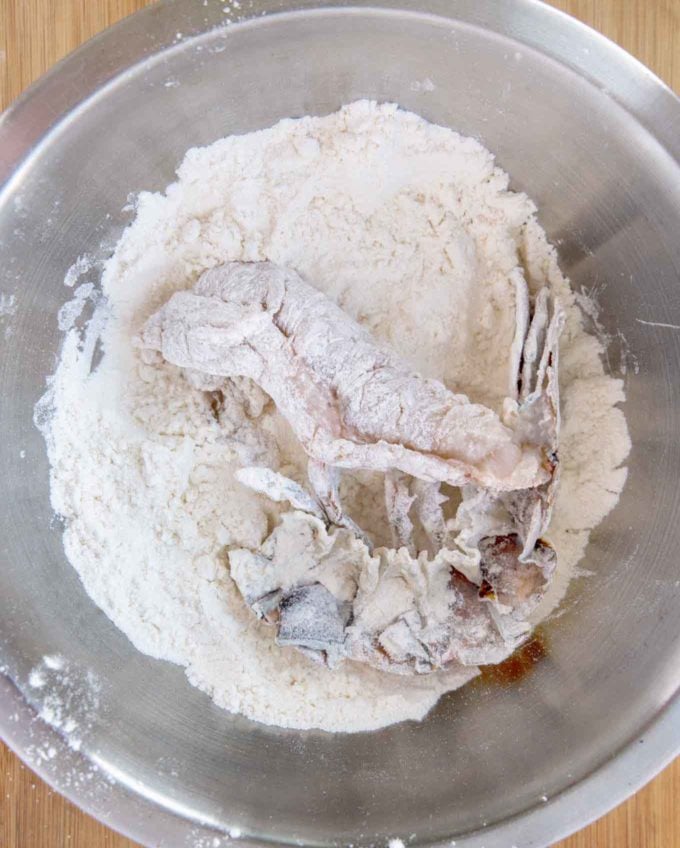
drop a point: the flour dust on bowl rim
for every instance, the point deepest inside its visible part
(592, 137)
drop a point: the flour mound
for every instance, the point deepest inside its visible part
(411, 229)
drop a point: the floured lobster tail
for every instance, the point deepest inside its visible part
(451, 594)
(532, 410)
(535, 416)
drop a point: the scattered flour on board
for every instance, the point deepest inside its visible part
(412, 230)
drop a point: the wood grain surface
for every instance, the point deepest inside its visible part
(36, 33)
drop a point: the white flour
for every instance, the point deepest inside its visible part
(412, 230)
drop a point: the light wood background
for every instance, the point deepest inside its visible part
(36, 33)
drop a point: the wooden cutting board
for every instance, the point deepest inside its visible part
(34, 34)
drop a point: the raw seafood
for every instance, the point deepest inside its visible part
(353, 404)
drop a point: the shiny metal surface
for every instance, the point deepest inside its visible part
(594, 138)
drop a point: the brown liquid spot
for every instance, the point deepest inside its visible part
(216, 403)
(520, 664)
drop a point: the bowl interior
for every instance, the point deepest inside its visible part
(609, 197)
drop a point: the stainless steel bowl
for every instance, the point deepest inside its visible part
(594, 138)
